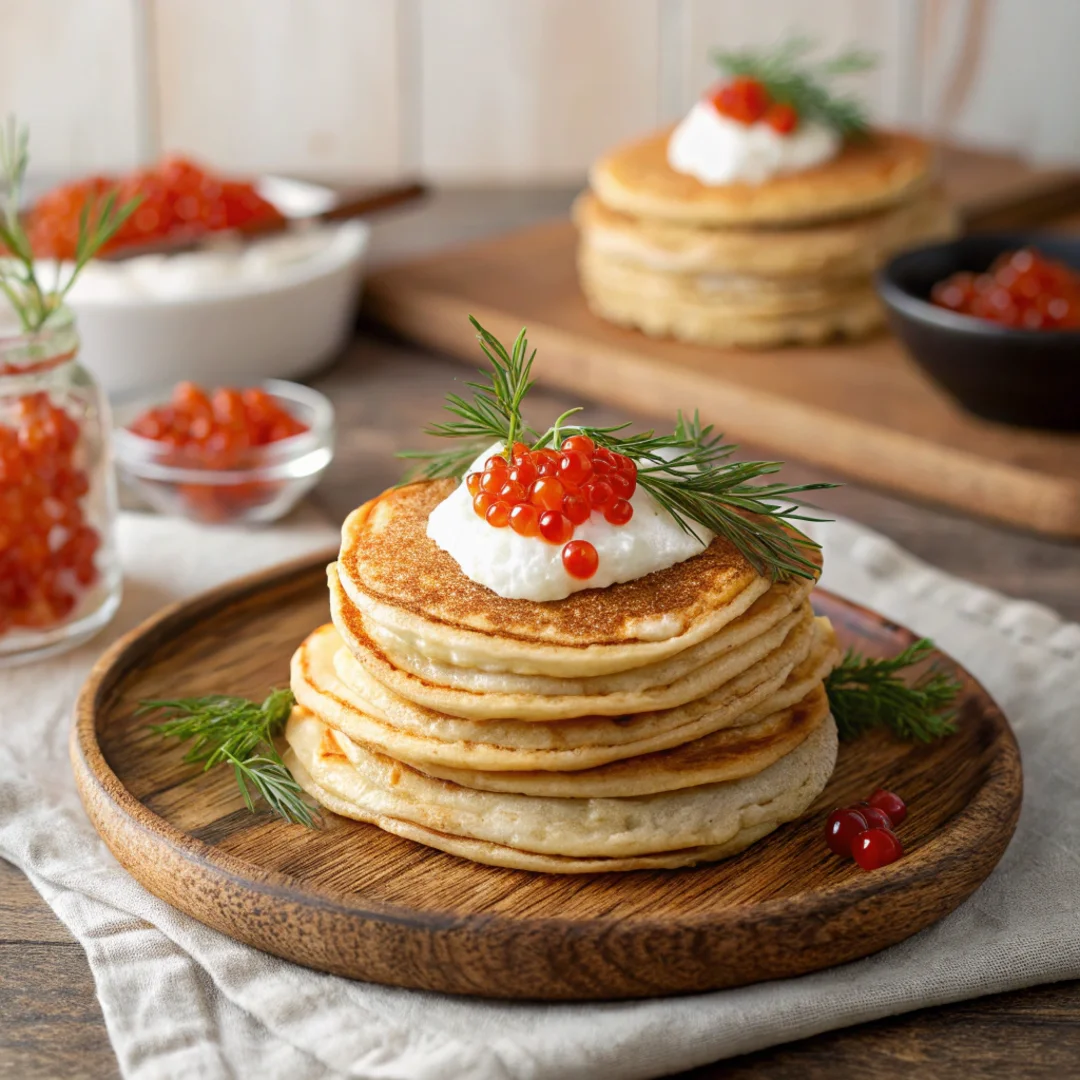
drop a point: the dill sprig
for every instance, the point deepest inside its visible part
(702, 488)
(867, 693)
(32, 301)
(234, 731)
(792, 79)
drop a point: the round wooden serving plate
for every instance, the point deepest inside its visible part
(356, 901)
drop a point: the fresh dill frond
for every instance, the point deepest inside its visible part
(32, 301)
(235, 731)
(791, 78)
(869, 693)
(702, 488)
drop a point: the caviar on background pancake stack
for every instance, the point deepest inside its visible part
(630, 717)
(761, 218)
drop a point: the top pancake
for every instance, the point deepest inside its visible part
(879, 171)
(402, 581)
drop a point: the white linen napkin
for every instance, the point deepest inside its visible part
(181, 1000)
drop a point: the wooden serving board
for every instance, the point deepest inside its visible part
(355, 901)
(862, 409)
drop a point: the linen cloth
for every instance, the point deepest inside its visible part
(181, 1000)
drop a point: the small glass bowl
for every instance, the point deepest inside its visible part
(271, 481)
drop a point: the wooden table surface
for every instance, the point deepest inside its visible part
(384, 391)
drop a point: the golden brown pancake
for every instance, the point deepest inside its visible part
(734, 296)
(481, 851)
(478, 705)
(836, 249)
(704, 816)
(700, 321)
(403, 582)
(729, 754)
(884, 169)
(363, 709)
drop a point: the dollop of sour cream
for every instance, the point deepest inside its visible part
(529, 568)
(718, 150)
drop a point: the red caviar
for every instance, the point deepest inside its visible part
(742, 99)
(178, 198)
(47, 548)
(547, 493)
(1022, 289)
(864, 832)
(222, 429)
(748, 101)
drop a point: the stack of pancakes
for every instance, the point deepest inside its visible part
(660, 722)
(786, 261)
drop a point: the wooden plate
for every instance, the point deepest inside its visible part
(355, 901)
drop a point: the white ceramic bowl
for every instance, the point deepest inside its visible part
(224, 330)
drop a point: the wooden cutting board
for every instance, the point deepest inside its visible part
(858, 409)
(353, 900)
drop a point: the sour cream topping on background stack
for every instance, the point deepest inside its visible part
(716, 149)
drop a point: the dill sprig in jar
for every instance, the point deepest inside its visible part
(60, 576)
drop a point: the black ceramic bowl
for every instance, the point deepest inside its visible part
(1028, 377)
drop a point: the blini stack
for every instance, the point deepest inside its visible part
(786, 261)
(661, 722)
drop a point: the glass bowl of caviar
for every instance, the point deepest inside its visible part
(994, 319)
(225, 454)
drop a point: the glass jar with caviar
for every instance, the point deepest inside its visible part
(60, 577)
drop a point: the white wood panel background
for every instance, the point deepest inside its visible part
(492, 90)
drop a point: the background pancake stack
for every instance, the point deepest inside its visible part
(786, 261)
(660, 722)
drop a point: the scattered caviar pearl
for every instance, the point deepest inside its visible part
(582, 443)
(576, 508)
(891, 804)
(472, 482)
(599, 493)
(524, 473)
(782, 118)
(580, 559)
(498, 514)
(875, 818)
(547, 493)
(619, 512)
(482, 503)
(556, 527)
(842, 828)
(876, 848)
(512, 492)
(525, 520)
(574, 466)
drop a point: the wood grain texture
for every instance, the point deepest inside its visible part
(862, 409)
(355, 901)
(534, 89)
(44, 46)
(312, 87)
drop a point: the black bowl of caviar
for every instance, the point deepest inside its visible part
(994, 319)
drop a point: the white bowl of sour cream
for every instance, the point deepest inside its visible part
(277, 308)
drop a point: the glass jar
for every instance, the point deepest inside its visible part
(60, 578)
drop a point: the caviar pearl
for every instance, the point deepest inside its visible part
(842, 828)
(891, 804)
(876, 848)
